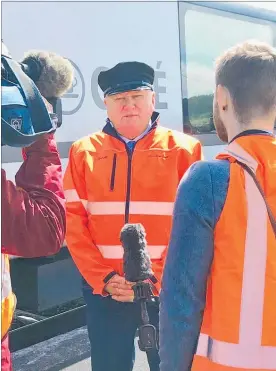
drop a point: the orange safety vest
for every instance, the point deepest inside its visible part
(8, 298)
(239, 325)
(104, 189)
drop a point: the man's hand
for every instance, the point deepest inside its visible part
(120, 289)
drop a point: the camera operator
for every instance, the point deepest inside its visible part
(33, 213)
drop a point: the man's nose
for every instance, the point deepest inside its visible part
(129, 103)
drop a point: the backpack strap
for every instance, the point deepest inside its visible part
(252, 174)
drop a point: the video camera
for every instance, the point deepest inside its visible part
(24, 114)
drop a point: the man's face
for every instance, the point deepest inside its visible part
(130, 112)
(218, 104)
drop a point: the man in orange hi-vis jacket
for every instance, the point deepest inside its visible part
(126, 173)
(218, 299)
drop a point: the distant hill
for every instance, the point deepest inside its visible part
(200, 112)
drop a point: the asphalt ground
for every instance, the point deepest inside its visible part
(70, 352)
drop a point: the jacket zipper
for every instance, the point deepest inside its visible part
(130, 154)
(113, 172)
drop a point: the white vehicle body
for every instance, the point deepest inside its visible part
(181, 40)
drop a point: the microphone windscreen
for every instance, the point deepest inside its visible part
(137, 262)
(56, 72)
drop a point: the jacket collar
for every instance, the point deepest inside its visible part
(252, 132)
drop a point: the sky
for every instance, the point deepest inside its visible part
(202, 51)
(262, 4)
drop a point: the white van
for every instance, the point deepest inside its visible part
(179, 39)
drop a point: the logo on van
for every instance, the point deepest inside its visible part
(73, 99)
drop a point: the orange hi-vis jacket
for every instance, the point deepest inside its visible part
(239, 325)
(8, 300)
(107, 186)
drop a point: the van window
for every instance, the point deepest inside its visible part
(204, 35)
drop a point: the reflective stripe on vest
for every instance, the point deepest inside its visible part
(248, 353)
(6, 288)
(118, 208)
(8, 298)
(117, 251)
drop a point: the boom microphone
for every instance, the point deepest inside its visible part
(137, 263)
(52, 73)
(53, 76)
(24, 113)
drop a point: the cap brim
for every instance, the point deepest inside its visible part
(128, 87)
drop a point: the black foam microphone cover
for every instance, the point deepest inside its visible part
(137, 262)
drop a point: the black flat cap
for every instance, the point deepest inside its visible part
(126, 76)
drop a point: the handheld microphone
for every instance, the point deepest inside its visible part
(137, 268)
(137, 263)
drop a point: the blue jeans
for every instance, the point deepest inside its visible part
(111, 328)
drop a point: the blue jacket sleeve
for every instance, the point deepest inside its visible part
(188, 262)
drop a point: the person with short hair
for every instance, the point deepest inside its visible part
(217, 304)
(126, 173)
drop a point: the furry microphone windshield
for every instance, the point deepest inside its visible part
(52, 73)
(137, 263)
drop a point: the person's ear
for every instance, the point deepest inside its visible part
(222, 98)
(153, 98)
